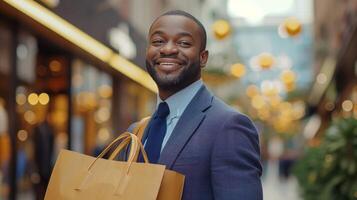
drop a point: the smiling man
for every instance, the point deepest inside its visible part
(192, 131)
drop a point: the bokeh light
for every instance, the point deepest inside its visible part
(44, 98)
(347, 105)
(30, 117)
(20, 99)
(221, 29)
(258, 102)
(252, 90)
(102, 115)
(270, 88)
(290, 87)
(22, 135)
(32, 99)
(238, 70)
(292, 26)
(103, 135)
(265, 60)
(288, 77)
(55, 66)
(105, 91)
(321, 78)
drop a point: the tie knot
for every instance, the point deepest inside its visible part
(163, 110)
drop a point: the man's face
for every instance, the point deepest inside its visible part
(173, 57)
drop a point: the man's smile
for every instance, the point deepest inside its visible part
(168, 65)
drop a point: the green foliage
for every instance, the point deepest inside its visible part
(329, 171)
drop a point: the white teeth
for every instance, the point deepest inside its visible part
(167, 63)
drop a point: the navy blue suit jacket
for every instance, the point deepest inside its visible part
(217, 149)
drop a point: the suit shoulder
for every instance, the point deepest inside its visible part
(220, 110)
(218, 106)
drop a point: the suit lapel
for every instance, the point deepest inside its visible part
(188, 123)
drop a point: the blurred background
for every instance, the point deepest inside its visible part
(72, 75)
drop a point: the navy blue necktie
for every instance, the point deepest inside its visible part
(156, 133)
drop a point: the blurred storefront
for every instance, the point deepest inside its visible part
(334, 93)
(61, 87)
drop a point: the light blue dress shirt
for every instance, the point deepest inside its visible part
(177, 104)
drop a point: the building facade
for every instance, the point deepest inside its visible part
(62, 86)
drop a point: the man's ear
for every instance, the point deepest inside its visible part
(203, 58)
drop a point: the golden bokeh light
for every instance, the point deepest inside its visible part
(91, 100)
(238, 70)
(252, 90)
(347, 105)
(270, 88)
(282, 125)
(292, 26)
(298, 110)
(275, 101)
(221, 29)
(102, 115)
(32, 99)
(285, 110)
(22, 135)
(290, 87)
(20, 99)
(105, 91)
(86, 100)
(288, 77)
(329, 106)
(258, 102)
(44, 98)
(265, 60)
(30, 117)
(55, 66)
(264, 114)
(103, 135)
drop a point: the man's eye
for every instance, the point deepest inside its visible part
(157, 42)
(184, 43)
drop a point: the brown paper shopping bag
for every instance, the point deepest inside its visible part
(77, 176)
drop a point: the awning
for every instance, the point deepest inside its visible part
(74, 35)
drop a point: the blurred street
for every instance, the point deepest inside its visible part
(277, 189)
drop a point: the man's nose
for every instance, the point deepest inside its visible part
(169, 49)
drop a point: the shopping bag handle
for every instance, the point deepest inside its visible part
(138, 131)
(140, 128)
(122, 136)
(125, 178)
(120, 147)
(132, 157)
(126, 137)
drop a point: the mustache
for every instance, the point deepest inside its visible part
(182, 60)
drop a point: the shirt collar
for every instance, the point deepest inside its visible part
(178, 102)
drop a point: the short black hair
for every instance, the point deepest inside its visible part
(188, 15)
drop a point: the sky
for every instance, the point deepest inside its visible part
(254, 11)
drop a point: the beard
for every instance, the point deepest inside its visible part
(175, 82)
